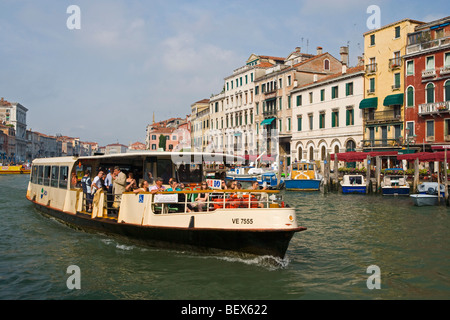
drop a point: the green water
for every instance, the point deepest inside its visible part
(346, 234)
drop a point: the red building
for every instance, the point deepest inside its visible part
(427, 85)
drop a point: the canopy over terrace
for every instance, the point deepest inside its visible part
(354, 156)
(425, 156)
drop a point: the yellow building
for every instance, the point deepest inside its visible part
(383, 102)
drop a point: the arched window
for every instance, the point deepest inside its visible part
(326, 64)
(336, 149)
(311, 153)
(410, 97)
(351, 145)
(300, 153)
(430, 93)
(323, 153)
(447, 90)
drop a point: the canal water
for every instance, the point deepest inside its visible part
(346, 235)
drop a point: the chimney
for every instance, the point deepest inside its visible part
(315, 78)
(360, 61)
(344, 55)
(319, 50)
(344, 68)
(297, 49)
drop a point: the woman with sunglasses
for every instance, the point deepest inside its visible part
(200, 202)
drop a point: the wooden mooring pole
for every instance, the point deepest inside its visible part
(368, 174)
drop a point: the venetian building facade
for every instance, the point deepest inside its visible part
(427, 82)
(327, 118)
(274, 102)
(383, 104)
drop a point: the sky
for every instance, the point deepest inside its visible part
(130, 59)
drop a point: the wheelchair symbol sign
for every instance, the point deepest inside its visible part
(141, 198)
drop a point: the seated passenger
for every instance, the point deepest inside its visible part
(158, 186)
(143, 187)
(200, 202)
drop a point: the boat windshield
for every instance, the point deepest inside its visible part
(355, 180)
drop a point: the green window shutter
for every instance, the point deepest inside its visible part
(430, 93)
(447, 91)
(281, 106)
(410, 97)
(299, 124)
(289, 102)
(322, 95)
(347, 117)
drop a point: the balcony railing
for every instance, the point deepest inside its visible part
(434, 108)
(395, 63)
(433, 44)
(270, 112)
(371, 68)
(374, 143)
(428, 73)
(383, 116)
(444, 70)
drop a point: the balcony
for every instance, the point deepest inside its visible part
(395, 87)
(379, 117)
(395, 63)
(428, 73)
(269, 113)
(428, 45)
(434, 108)
(376, 143)
(444, 70)
(371, 68)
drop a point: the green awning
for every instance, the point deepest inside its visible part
(369, 103)
(267, 121)
(393, 99)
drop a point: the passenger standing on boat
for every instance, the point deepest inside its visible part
(74, 180)
(131, 182)
(109, 190)
(86, 185)
(97, 184)
(158, 185)
(119, 185)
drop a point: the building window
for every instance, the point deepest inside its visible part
(372, 39)
(326, 64)
(410, 67)
(334, 92)
(311, 123)
(322, 120)
(280, 125)
(447, 129)
(280, 103)
(153, 137)
(289, 102)
(299, 100)
(289, 80)
(310, 97)
(372, 85)
(299, 123)
(429, 63)
(289, 124)
(396, 81)
(410, 126)
(335, 119)
(430, 92)
(281, 83)
(397, 32)
(300, 153)
(350, 117)
(447, 90)
(153, 146)
(410, 97)
(430, 129)
(349, 89)
(322, 95)
(447, 60)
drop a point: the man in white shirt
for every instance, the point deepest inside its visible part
(158, 186)
(97, 184)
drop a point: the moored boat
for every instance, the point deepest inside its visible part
(303, 177)
(353, 183)
(429, 195)
(252, 222)
(395, 184)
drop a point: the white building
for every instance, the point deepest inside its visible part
(326, 115)
(16, 114)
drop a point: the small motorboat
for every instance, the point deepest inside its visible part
(353, 183)
(304, 177)
(429, 195)
(395, 185)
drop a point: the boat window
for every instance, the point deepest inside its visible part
(47, 175)
(34, 174)
(164, 170)
(190, 173)
(55, 175)
(311, 166)
(63, 174)
(355, 180)
(40, 174)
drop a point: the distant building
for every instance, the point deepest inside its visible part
(115, 148)
(15, 114)
(136, 146)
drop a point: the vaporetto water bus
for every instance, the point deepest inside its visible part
(255, 222)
